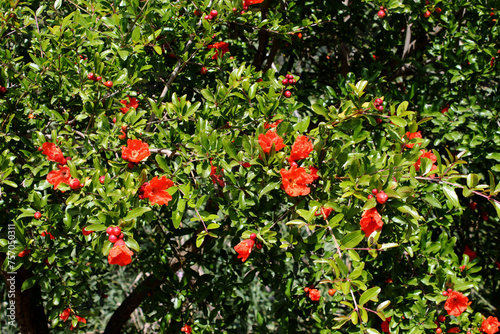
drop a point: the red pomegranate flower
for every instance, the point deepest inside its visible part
(314, 294)
(53, 153)
(244, 248)
(222, 46)
(371, 221)
(135, 151)
(456, 303)
(301, 149)
(252, 2)
(132, 104)
(120, 254)
(314, 172)
(428, 155)
(272, 125)
(267, 140)
(45, 233)
(490, 325)
(81, 319)
(385, 325)
(454, 330)
(325, 212)
(411, 136)
(58, 176)
(156, 190)
(65, 314)
(215, 177)
(295, 181)
(470, 252)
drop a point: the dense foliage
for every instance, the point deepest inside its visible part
(273, 166)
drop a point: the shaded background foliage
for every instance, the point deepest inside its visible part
(154, 50)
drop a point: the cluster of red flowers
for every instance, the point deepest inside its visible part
(295, 180)
(223, 47)
(65, 315)
(62, 174)
(132, 104)
(313, 294)
(371, 221)
(135, 151)
(156, 190)
(423, 153)
(120, 254)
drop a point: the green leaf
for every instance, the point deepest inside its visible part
(178, 213)
(29, 283)
(398, 121)
(450, 193)
(136, 213)
(370, 294)
(131, 243)
(388, 245)
(352, 239)
(200, 238)
(162, 162)
(213, 226)
(229, 148)
(96, 227)
(432, 201)
(383, 305)
(268, 188)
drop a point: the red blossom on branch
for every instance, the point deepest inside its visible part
(411, 136)
(426, 154)
(120, 254)
(371, 221)
(65, 314)
(267, 140)
(295, 181)
(456, 303)
(135, 151)
(490, 325)
(132, 104)
(53, 153)
(244, 248)
(59, 176)
(222, 46)
(156, 190)
(252, 2)
(301, 149)
(272, 125)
